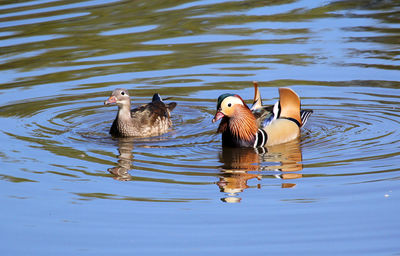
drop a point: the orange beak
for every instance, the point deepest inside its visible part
(110, 100)
(218, 116)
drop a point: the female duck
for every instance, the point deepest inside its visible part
(261, 125)
(148, 120)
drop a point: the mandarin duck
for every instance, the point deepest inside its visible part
(151, 119)
(260, 125)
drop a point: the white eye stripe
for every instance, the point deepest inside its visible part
(230, 101)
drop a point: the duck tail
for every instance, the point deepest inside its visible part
(156, 97)
(290, 104)
(171, 105)
(257, 102)
(304, 115)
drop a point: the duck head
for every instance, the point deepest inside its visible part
(227, 103)
(120, 97)
(238, 125)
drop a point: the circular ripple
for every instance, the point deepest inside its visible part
(356, 135)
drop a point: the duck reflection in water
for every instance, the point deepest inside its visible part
(243, 164)
(125, 158)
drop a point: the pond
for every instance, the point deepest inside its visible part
(69, 188)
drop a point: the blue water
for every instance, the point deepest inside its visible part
(333, 192)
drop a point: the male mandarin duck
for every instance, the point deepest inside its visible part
(260, 125)
(151, 119)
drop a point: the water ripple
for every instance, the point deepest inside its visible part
(338, 133)
(336, 185)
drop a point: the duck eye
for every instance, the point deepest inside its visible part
(229, 104)
(122, 93)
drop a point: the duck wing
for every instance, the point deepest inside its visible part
(264, 115)
(149, 113)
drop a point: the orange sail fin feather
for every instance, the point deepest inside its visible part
(257, 101)
(290, 104)
(260, 125)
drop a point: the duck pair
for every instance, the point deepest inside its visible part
(240, 125)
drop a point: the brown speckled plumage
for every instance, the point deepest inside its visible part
(147, 120)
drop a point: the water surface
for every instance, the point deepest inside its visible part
(69, 188)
